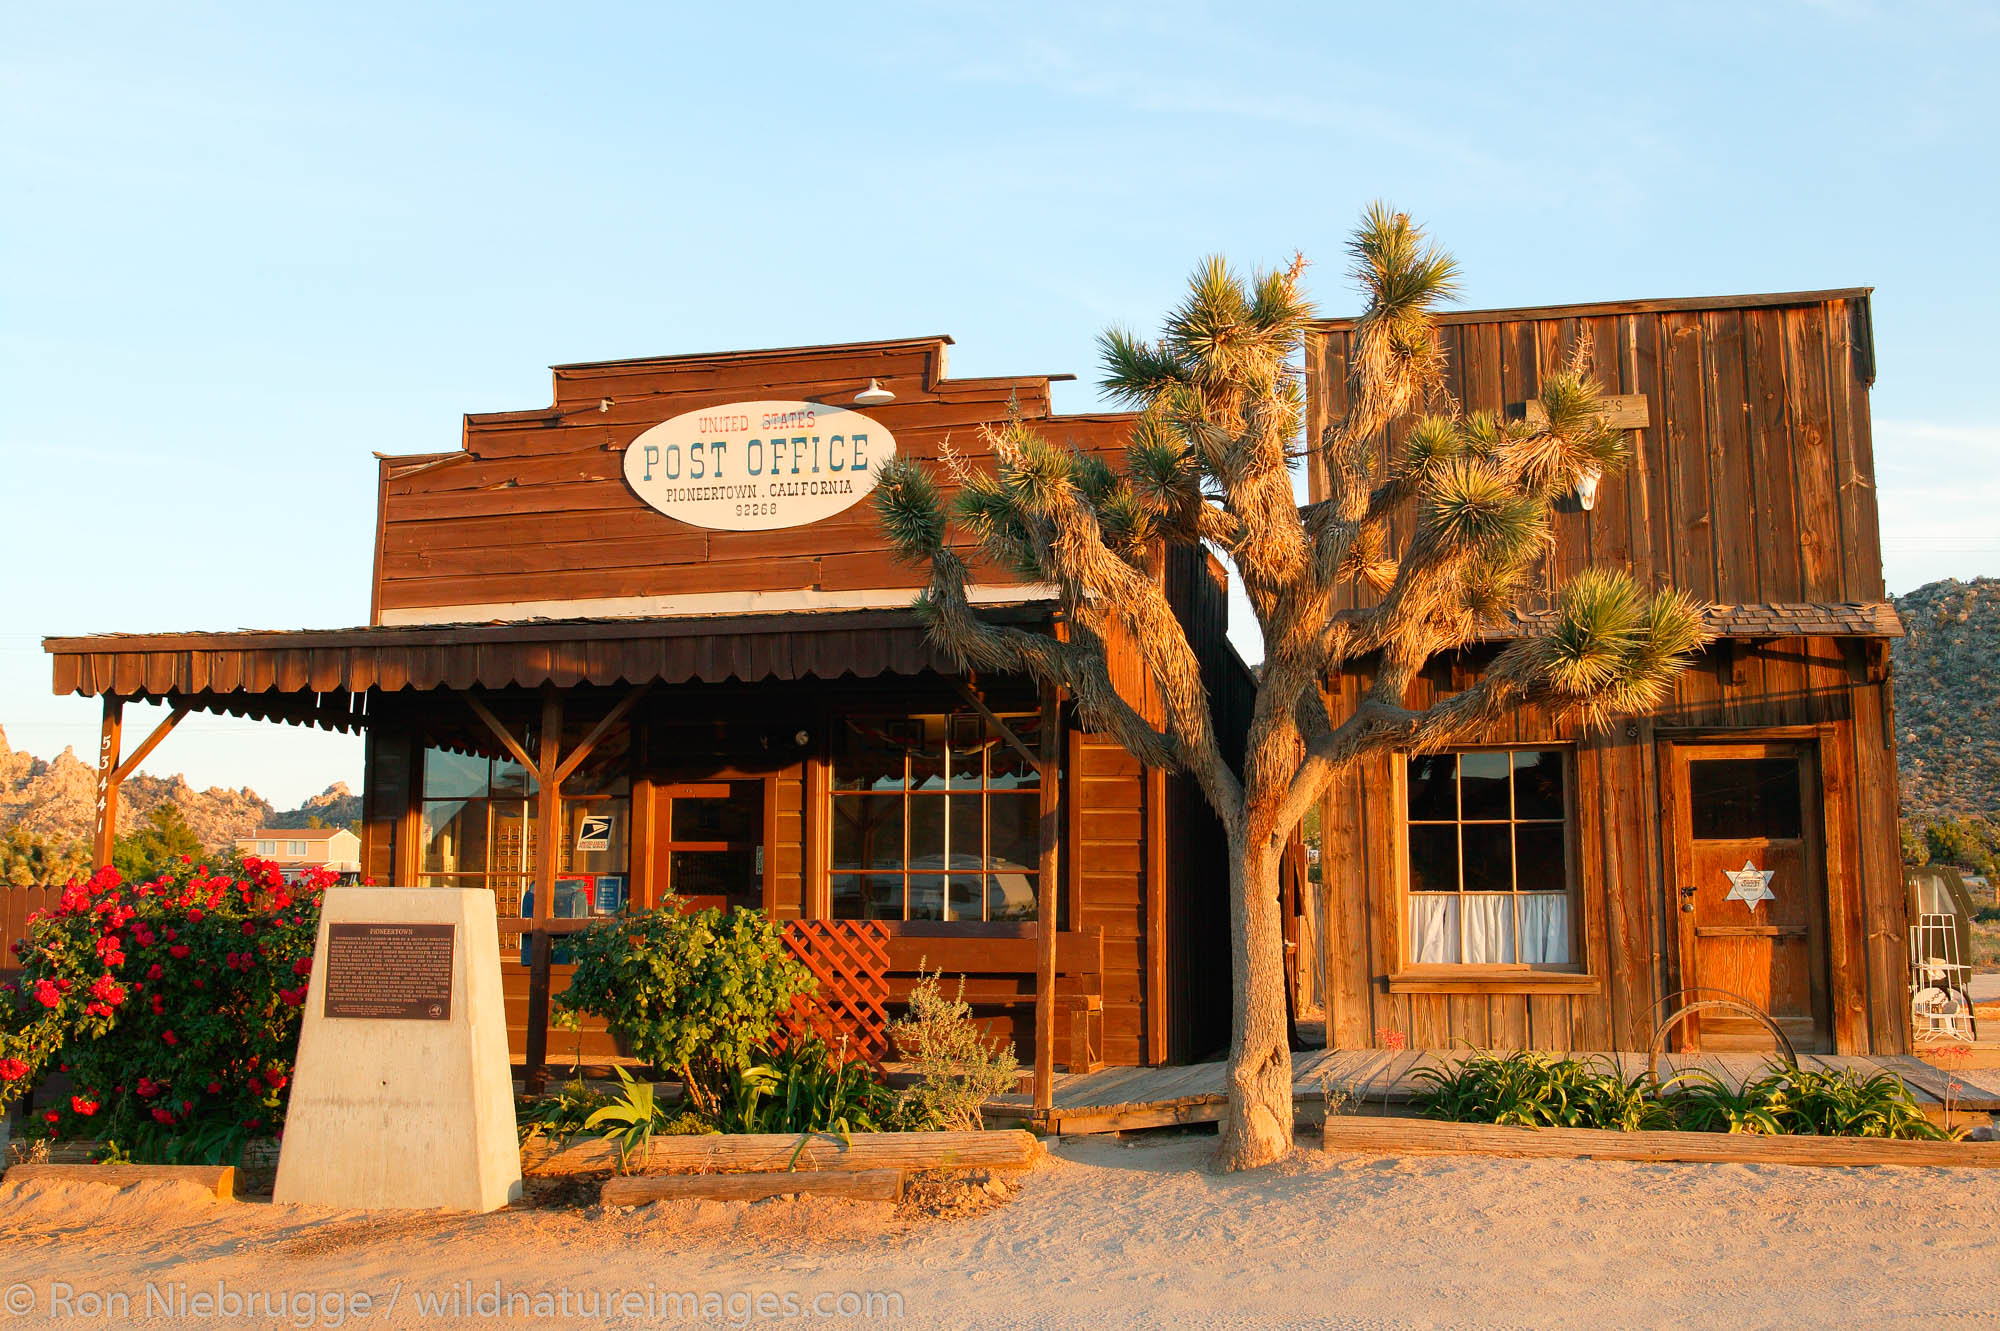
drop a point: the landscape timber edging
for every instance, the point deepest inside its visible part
(755, 1153)
(218, 1179)
(1423, 1136)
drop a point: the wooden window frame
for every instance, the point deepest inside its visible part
(1570, 977)
(832, 795)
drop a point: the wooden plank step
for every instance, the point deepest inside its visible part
(777, 1152)
(883, 1185)
(1417, 1136)
(218, 1179)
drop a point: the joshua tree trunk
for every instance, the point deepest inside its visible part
(1258, 1130)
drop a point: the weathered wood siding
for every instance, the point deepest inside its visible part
(534, 508)
(1831, 692)
(1753, 481)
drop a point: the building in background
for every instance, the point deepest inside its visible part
(299, 850)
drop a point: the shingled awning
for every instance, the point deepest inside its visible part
(322, 676)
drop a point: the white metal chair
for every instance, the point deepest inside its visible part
(1940, 982)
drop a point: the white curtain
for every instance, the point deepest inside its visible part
(1545, 927)
(1488, 935)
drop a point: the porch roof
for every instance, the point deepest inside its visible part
(321, 676)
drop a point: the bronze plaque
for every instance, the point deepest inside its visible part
(389, 972)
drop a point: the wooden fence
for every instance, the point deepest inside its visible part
(17, 904)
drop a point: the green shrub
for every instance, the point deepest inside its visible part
(697, 994)
(1804, 1102)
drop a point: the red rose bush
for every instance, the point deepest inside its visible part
(173, 1005)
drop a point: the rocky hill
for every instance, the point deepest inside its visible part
(1948, 699)
(55, 798)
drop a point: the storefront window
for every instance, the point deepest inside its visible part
(1488, 853)
(935, 817)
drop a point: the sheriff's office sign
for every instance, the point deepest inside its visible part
(758, 466)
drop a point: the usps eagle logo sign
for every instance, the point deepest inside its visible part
(1750, 885)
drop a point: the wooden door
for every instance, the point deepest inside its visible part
(708, 843)
(1750, 885)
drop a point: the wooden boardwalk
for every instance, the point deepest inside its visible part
(1384, 1080)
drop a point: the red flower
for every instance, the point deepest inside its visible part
(178, 951)
(256, 1085)
(278, 1080)
(12, 1069)
(52, 1117)
(163, 1116)
(171, 934)
(83, 1106)
(155, 971)
(194, 915)
(147, 1088)
(47, 993)
(249, 928)
(303, 966)
(107, 990)
(168, 1037)
(215, 1088)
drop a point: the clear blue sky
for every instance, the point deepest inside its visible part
(244, 246)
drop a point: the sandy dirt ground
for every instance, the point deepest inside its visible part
(1106, 1234)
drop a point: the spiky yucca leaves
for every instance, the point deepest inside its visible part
(1450, 531)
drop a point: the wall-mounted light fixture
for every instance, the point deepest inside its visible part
(1586, 487)
(874, 395)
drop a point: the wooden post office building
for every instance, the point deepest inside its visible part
(1550, 887)
(657, 617)
(646, 641)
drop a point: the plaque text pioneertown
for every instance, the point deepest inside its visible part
(758, 466)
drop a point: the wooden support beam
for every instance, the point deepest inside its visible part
(107, 778)
(1047, 883)
(548, 809)
(151, 742)
(500, 732)
(1014, 741)
(597, 732)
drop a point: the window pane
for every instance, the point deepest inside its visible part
(968, 751)
(1482, 784)
(927, 754)
(608, 768)
(1433, 790)
(718, 873)
(596, 835)
(513, 850)
(874, 897)
(926, 897)
(1433, 859)
(1010, 896)
(736, 818)
(1744, 798)
(1538, 783)
(1014, 824)
(510, 778)
(968, 896)
(926, 832)
(868, 832)
(1006, 768)
(449, 775)
(867, 756)
(967, 836)
(1538, 857)
(1489, 857)
(454, 836)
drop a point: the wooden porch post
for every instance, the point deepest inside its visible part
(107, 778)
(1045, 904)
(548, 808)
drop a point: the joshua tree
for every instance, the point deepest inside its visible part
(1210, 463)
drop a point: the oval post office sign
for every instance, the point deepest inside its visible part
(758, 466)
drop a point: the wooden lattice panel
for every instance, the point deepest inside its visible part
(850, 959)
